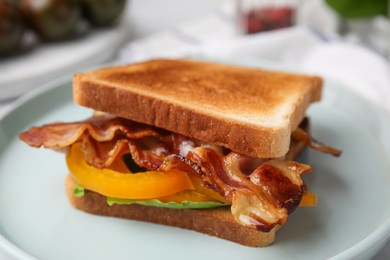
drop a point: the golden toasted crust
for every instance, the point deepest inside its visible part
(248, 110)
(217, 222)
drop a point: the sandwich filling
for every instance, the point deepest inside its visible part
(130, 162)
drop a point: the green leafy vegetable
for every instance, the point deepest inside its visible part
(359, 8)
(78, 191)
(173, 205)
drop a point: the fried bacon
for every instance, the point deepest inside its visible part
(302, 136)
(101, 128)
(262, 192)
(104, 139)
(261, 200)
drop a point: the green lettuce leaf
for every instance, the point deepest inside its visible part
(78, 191)
(173, 205)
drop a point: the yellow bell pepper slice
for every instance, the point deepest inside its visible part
(308, 199)
(145, 185)
(186, 195)
(200, 194)
(209, 193)
(119, 165)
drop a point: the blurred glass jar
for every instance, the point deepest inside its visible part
(265, 15)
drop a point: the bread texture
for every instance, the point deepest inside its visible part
(248, 110)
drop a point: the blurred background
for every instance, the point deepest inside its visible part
(344, 40)
(43, 39)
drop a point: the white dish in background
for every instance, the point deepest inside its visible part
(351, 220)
(46, 61)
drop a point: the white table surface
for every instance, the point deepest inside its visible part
(148, 16)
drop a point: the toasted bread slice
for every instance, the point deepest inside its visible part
(250, 111)
(218, 222)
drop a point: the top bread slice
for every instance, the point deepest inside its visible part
(250, 111)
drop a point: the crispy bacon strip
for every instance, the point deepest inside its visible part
(101, 128)
(262, 192)
(102, 155)
(301, 135)
(104, 139)
(261, 200)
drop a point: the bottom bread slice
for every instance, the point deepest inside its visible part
(218, 222)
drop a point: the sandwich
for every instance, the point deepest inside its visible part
(198, 145)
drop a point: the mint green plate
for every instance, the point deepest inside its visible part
(351, 220)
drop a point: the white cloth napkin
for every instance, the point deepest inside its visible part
(216, 35)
